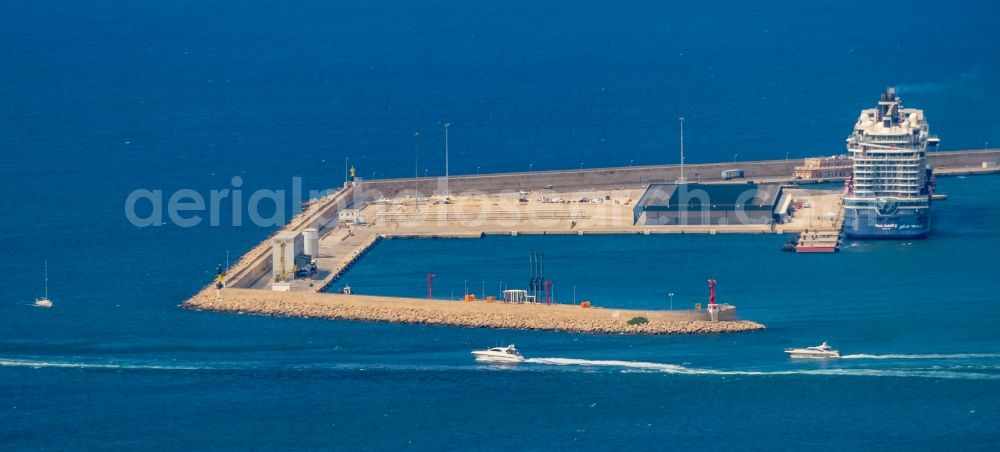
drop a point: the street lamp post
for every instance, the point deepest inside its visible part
(416, 162)
(446, 126)
(671, 295)
(682, 149)
(225, 281)
(466, 287)
(530, 166)
(477, 170)
(574, 294)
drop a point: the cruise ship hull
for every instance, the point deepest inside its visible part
(869, 224)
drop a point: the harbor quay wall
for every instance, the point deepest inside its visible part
(959, 159)
(568, 318)
(632, 176)
(585, 179)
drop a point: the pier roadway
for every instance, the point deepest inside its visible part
(560, 212)
(820, 210)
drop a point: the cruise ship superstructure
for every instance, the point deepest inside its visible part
(889, 193)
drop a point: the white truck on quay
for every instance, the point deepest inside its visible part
(731, 174)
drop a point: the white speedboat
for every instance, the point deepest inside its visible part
(44, 302)
(820, 351)
(508, 354)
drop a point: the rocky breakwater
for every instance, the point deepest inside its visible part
(455, 313)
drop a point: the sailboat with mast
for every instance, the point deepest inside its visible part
(44, 302)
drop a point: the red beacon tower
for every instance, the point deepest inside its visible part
(713, 309)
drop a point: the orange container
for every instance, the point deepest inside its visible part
(585, 304)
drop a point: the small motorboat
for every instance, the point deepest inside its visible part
(508, 354)
(820, 351)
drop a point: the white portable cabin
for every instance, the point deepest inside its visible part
(517, 296)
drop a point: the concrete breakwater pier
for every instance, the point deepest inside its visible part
(480, 314)
(344, 225)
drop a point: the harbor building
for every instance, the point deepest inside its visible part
(707, 204)
(817, 168)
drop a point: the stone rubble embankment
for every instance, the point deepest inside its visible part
(480, 314)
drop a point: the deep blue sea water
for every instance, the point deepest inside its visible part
(103, 98)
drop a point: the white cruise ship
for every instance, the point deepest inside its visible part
(889, 193)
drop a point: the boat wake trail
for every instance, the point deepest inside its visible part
(926, 356)
(671, 368)
(642, 366)
(83, 365)
(257, 368)
(535, 364)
